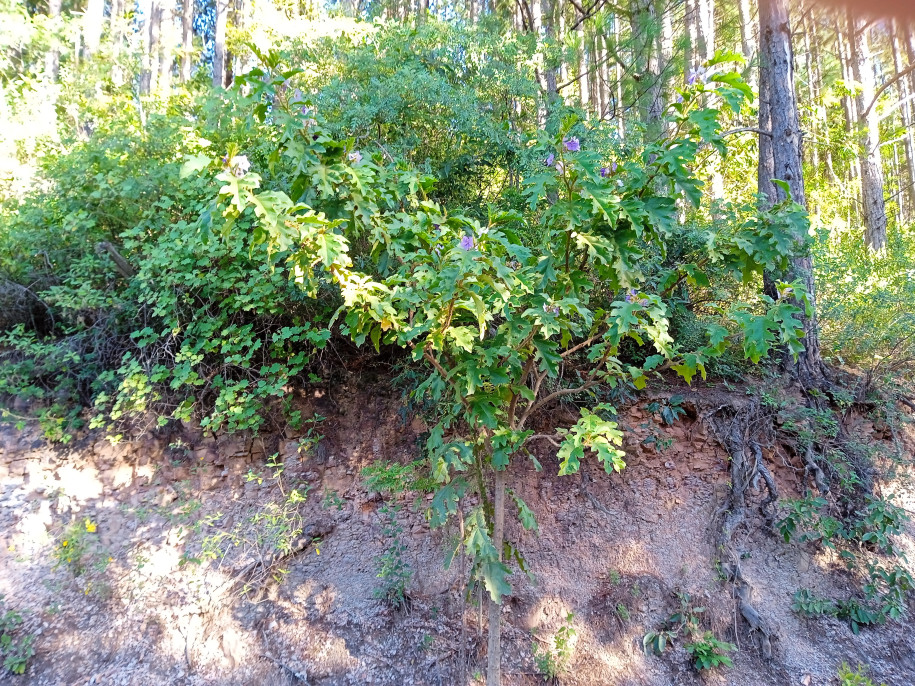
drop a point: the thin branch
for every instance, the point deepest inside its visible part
(747, 128)
(905, 72)
(550, 438)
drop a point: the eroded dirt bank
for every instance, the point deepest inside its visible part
(146, 605)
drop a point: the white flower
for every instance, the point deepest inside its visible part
(239, 165)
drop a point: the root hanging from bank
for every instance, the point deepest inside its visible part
(736, 430)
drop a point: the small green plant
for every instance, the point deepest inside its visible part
(393, 570)
(709, 652)
(805, 603)
(16, 647)
(332, 499)
(614, 576)
(858, 615)
(552, 662)
(857, 677)
(669, 411)
(622, 612)
(74, 548)
(879, 520)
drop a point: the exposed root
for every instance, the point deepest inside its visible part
(746, 469)
(768, 505)
(812, 469)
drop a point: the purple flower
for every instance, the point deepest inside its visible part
(437, 250)
(355, 157)
(548, 162)
(630, 296)
(604, 172)
(467, 243)
(613, 167)
(560, 167)
(572, 144)
(697, 74)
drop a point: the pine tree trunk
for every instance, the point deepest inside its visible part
(583, 90)
(52, 59)
(93, 21)
(618, 79)
(747, 39)
(187, 39)
(776, 53)
(813, 145)
(904, 87)
(872, 199)
(219, 48)
(155, 43)
(167, 44)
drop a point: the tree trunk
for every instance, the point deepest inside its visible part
(187, 39)
(494, 657)
(872, 200)
(52, 60)
(776, 52)
(903, 85)
(747, 39)
(618, 78)
(155, 43)
(167, 45)
(93, 21)
(583, 90)
(219, 47)
(813, 146)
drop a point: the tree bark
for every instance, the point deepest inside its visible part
(93, 21)
(872, 201)
(52, 60)
(747, 38)
(219, 47)
(583, 85)
(168, 42)
(776, 53)
(903, 85)
(187, 39)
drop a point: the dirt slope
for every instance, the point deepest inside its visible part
(148, 607)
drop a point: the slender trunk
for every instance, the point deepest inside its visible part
(583, 90)
(813, 145)
(155, 43)
(219, 40)
(904, 88)
(187, 39)
(593, 74)
(494, 661)
(849, 105)
(93, 21)
(618, 78)
(52, 59)
(747, 39)
(167, 44)
(872, 200)
(776, 50)
(602, 84)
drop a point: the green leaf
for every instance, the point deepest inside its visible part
(193, 164)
